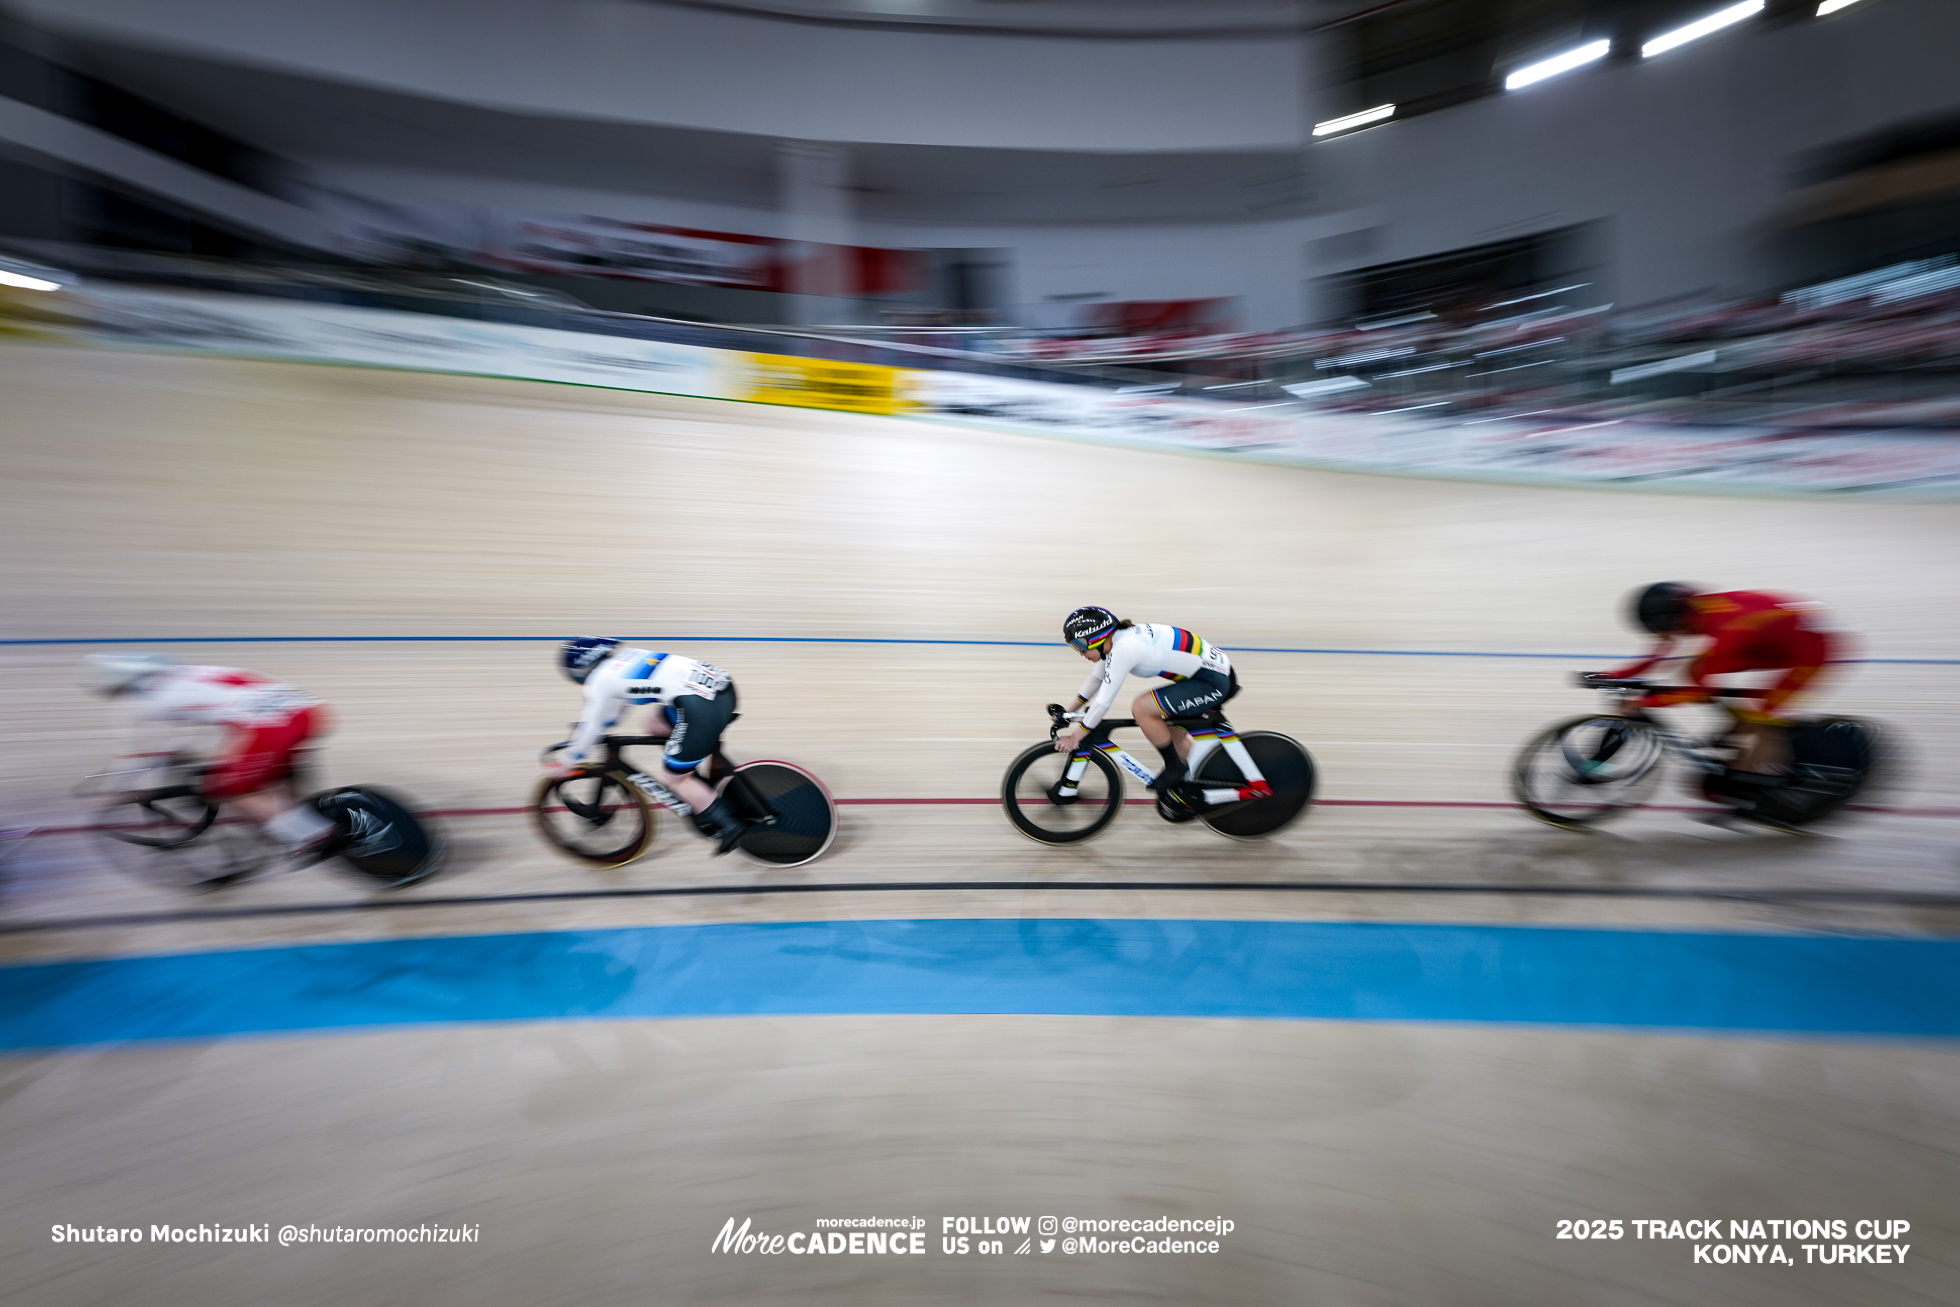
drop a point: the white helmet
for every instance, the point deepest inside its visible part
(112, 673)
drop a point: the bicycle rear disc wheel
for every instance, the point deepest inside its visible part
(1833, 761)
(1027, 793)
(805, 818)
(384, 841)
(178, 842)
(1287, 767)
(1548, 784)
(598, 818)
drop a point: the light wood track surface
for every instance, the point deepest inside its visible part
(1364, 1164)
(161, 496)
(152, 496)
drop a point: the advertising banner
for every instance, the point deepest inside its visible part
(818, 383)
(284, 329)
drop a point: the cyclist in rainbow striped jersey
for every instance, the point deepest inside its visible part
(1201, 679)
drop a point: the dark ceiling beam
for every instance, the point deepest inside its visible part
(1215, 32)
(1360, 14)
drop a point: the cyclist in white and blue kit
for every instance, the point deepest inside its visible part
(696, 701)
(1201, 679)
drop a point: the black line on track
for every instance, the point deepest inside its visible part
(1766, 895)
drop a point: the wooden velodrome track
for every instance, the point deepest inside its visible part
(337, 514)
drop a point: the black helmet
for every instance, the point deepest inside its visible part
(1661, 607)
(1086, 627)
(580, 654)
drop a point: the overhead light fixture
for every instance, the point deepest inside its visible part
(1365, 356)
(1558, 63)
(1402, 321)
(1684, 363)
(1543, 294)
(22, 281)
(1694, 31)
(1832, 6)
(1353, 120)
(1310, 389)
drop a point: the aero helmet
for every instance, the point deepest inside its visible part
(580, 654)
(1087, 627)
(1662, 607)
(112, 673)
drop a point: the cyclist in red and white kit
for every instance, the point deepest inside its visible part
(264, 722)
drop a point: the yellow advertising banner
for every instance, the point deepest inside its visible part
(820, 383)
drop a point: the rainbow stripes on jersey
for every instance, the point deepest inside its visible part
(1185, 642)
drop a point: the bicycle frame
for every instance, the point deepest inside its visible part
(1687, 749)
(1205, 740)
(656, 793)
(1692, 751)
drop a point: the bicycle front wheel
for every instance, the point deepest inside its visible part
(1029, 794)
(176, 840)
(799, 818)
(1287, 767)
(1587, 770)
(598, 818)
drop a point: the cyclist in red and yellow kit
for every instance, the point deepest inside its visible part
(1747, 631)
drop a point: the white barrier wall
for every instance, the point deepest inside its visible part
(1621, 453)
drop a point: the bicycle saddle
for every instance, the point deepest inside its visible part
(1208, 718)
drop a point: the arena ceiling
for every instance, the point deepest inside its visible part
(296, 114)
(1423, 55)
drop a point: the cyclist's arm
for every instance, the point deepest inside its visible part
(1119, 666)
(1696, 690)
(1088, 690)
(1633, 670)
(603, 704)
(145, 735)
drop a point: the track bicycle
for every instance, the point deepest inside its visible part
(608, 815)
(1243, 786)
(1586, 770)
(170, 834)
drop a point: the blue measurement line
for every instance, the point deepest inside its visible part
(858, 639)
(1624, 979)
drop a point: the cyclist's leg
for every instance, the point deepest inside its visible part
(1757, 734)
(1171, 743)
(1149, 714)
(253, 774)
(1187, 698)
(1766, 749)
(661, 724)
(696, 734)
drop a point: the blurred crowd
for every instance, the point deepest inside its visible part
(1879, 350)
